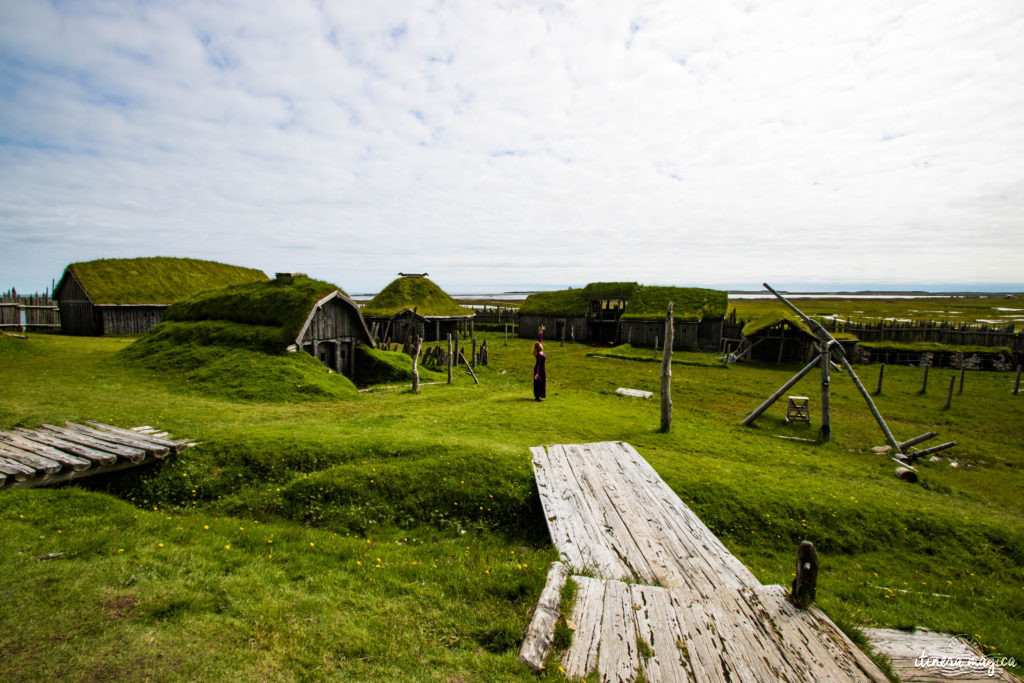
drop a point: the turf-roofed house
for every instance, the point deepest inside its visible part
(413, 304)
(781, 336)
(292, 312)
(626, 312)
(131, 295)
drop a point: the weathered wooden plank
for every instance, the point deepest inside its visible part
(635, 393)
(657, 626)
(18, 471)
(619, 659)
(131, 439)
(175, 446)
(617, 536)
(586, 523)
(703, 648)
(135, 455)
(37, 462)
(587, 614)
(73, 461)
(918, 657)
(541, 631)
(48, 439)
(556, 516)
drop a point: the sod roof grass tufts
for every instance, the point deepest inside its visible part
(156, 280)
(414, 292)
(644, 302)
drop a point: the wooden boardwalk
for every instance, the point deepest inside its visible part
(662, 596)
(51, 455)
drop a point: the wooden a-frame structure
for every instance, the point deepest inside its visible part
(829, 349)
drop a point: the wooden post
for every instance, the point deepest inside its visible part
(826, 394)
(961, 389)
(451, 358)
(949, 395)
(666, 373)
(417, 342)
(881, 374)
(655, 346)
(474, 353)
(924, 381)
(506, 334)
(565, 324)
(469, 369)
(1016, 384)
(805, 583)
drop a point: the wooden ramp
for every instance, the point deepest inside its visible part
(50, 455)
(663, 597)
(924, 656)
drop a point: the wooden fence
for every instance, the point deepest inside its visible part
(950, 333)
(28, 312)
(497, 315)
(954, 334)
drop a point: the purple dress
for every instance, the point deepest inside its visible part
(540, 379)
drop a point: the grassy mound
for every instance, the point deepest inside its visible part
(933, 347)
(630, 352)
(156, 280)
(232, 342)
(238, 373)
(414, 292)
(374, 366)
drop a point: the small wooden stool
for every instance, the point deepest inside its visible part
(798, 410)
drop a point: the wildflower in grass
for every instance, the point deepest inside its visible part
(159, 545)
(227, 547)
(206, 526)
(310, 544)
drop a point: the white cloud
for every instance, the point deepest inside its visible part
(704, 142)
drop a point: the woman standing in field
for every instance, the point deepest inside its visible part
(540, 378)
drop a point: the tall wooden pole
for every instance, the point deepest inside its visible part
(1016, 384)
(451, 358)
(960, 390)
(924, 382)
(949, 394)
(826, 394)
(666, 372)
(417, 342)
(881, 374)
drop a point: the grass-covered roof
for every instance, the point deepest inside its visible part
(272, 309)
(414, 292)
(156, 280)
(773, 318)
(644, 302)
(233, 342)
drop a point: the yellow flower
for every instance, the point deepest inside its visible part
(120, 550)
(227, 547)
(310, 544)
(160, 545)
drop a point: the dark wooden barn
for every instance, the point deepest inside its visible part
(130, 296)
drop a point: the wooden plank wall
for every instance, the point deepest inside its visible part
(76, 311)
(28, 312)
(334, 320)
(129, 319)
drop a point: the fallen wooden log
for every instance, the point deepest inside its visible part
(74, 462)
(541, 631)
(175, 446)
(134, 441)
(135, 455)
(16, 469)
(46, 439)
(37, 462)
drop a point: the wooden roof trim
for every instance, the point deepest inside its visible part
(60, 285)
(355, 307)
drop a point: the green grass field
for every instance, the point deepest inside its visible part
(385, 535)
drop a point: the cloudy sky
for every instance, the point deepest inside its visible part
(503, 145)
